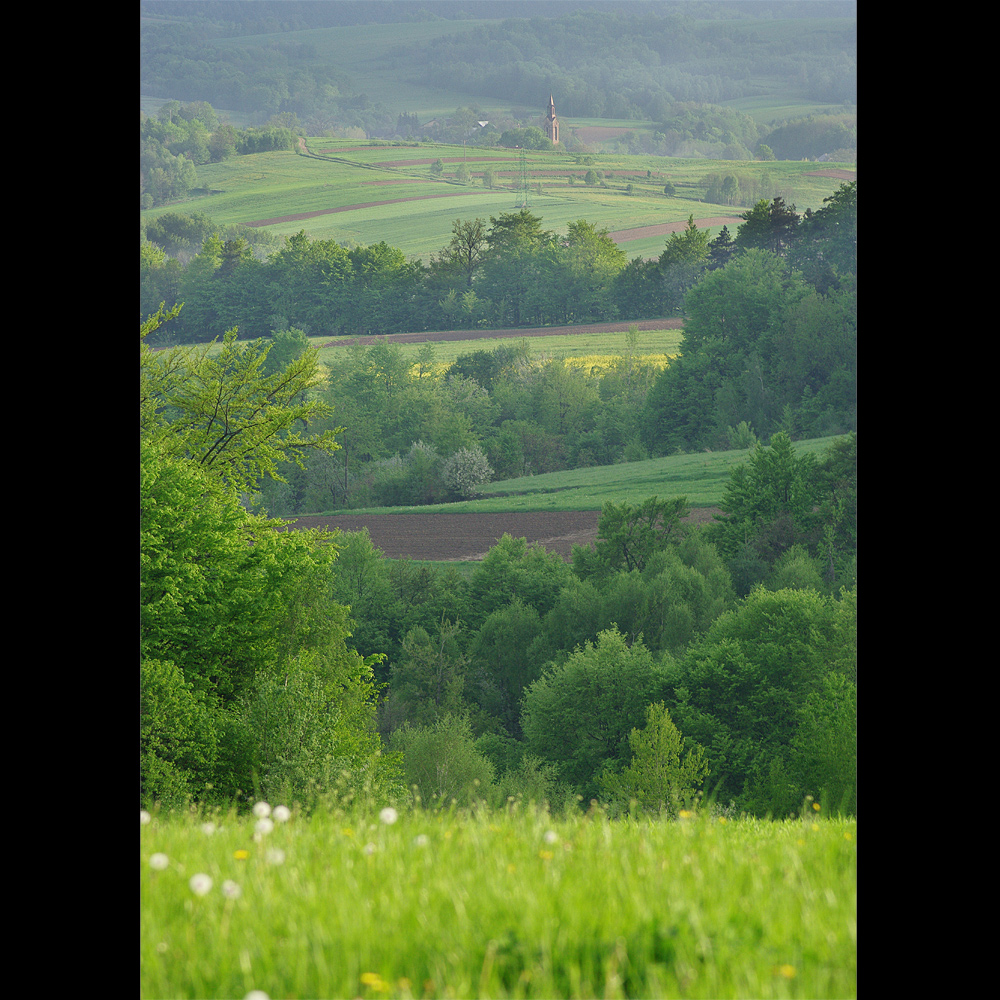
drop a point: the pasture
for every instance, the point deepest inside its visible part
(437, 903)
(364, 192)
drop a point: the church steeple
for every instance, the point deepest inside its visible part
(551, 122)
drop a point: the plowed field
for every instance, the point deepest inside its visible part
(468, 537)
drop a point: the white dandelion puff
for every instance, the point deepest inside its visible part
(388, 815)
(200, 884)
(158, 862)
(282, 814)
(264, 825)
(261, 810)
(230, 889)
(144, 817)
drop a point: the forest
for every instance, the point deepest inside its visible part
(310, 667)
(670, 64)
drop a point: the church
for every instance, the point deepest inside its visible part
(552, 123)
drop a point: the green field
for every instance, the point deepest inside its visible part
(702, 478)
(572, 345)
(498, 904)
(343, 173)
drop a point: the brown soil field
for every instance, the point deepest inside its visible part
(468, 537)
(624, 235)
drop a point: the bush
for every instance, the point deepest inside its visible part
(442, 765)
(466, 471)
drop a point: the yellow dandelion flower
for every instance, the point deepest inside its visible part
(545, 855)
(788, 971)
(847, 836)
(241, 855)
(816, 806)
(685, 814)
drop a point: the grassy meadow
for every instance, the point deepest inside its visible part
(497, 904)
(337, 176)
(702, 478)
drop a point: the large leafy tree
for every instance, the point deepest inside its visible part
(740, 690)
(235, 614)
(219, 408)
(578, 715)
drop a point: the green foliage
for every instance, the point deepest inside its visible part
(177, 741)
(774, 484)
(825, 746)
(222, 410)
(579, 713)
(739, 690)
(442, 765)
(628, 535)
(513, 568)
(663, 774)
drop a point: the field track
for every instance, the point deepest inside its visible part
(468, 537)
(537, 331)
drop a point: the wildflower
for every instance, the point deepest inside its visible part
(264, 825)
(816, 806)
(158, 862)
(241, 855)
(144, 817)
(261, 810)
(256, 995)
(545, 855)
(369, 848)
(230, 889)
(208, 829)
(371, 979)
(282, 814)
(551, 836)
(388, 815)
(200, 884)
(788, 971)
(685, 814)
(421, 840)
(276, 857)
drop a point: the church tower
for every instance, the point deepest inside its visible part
(552, 123)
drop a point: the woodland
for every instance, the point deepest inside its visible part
(666, 666)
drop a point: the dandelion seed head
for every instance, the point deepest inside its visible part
(230, 889)
(208, 829)
(265, 825)
(200, 884)
(256, 995)
(421, 840)
(282, 814)
(369, 848)
(275, 856)
(388, 815)
(144, 817)
(551, 836)
(261, 809)
(158, 862)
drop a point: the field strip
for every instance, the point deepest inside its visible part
(352, 208)
(624, 235)
(538, 331)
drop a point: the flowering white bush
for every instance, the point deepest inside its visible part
(466, 471)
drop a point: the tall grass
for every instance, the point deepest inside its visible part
(498, 904)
